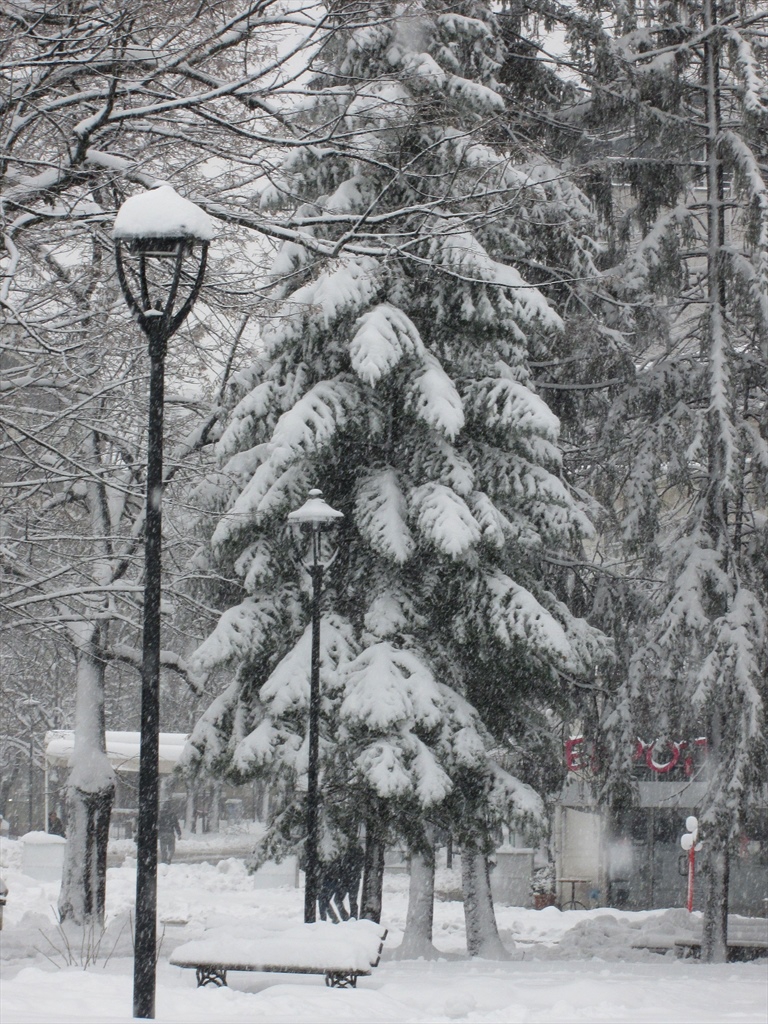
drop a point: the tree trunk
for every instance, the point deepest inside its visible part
(260, 803)
(417, 940)
(373, 872)
(190, 809)
(214, 820)
(90, 792)
(482, 933)
(715, 929)
(716, 872)
(84, 877)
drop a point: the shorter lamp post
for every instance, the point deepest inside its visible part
(314, 518)
(169, 238)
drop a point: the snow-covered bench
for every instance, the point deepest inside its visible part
(342, 952)
(654, 942)
(747, 939)
(737, 949)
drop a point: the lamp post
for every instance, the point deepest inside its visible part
(164, 233)
(314, 518)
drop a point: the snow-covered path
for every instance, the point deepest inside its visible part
(630, 993)
(577, 966)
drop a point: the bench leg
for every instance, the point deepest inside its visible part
(211, 976)
(337, 979)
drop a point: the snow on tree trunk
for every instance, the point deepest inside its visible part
(417, 940)
(373, 873)
(482, 933)
(90, 791)
(716, 873)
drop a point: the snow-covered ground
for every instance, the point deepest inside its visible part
(575, 966)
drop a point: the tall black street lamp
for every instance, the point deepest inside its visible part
(168, 237)
(314, 518)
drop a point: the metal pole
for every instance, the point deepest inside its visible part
(159, 323)
(46, 783)
(312, 880)
(691, 867)
(31, 775)
(146, 844)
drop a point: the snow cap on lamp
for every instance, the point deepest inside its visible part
(314, 511)
(161, 215)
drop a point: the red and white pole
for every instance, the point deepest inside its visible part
(691, 845)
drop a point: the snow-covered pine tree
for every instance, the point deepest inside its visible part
(395, 375)
(689, 84)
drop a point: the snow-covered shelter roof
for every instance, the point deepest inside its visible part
(122, 749)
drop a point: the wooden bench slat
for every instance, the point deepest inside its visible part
(287, 968)
(266, 968)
